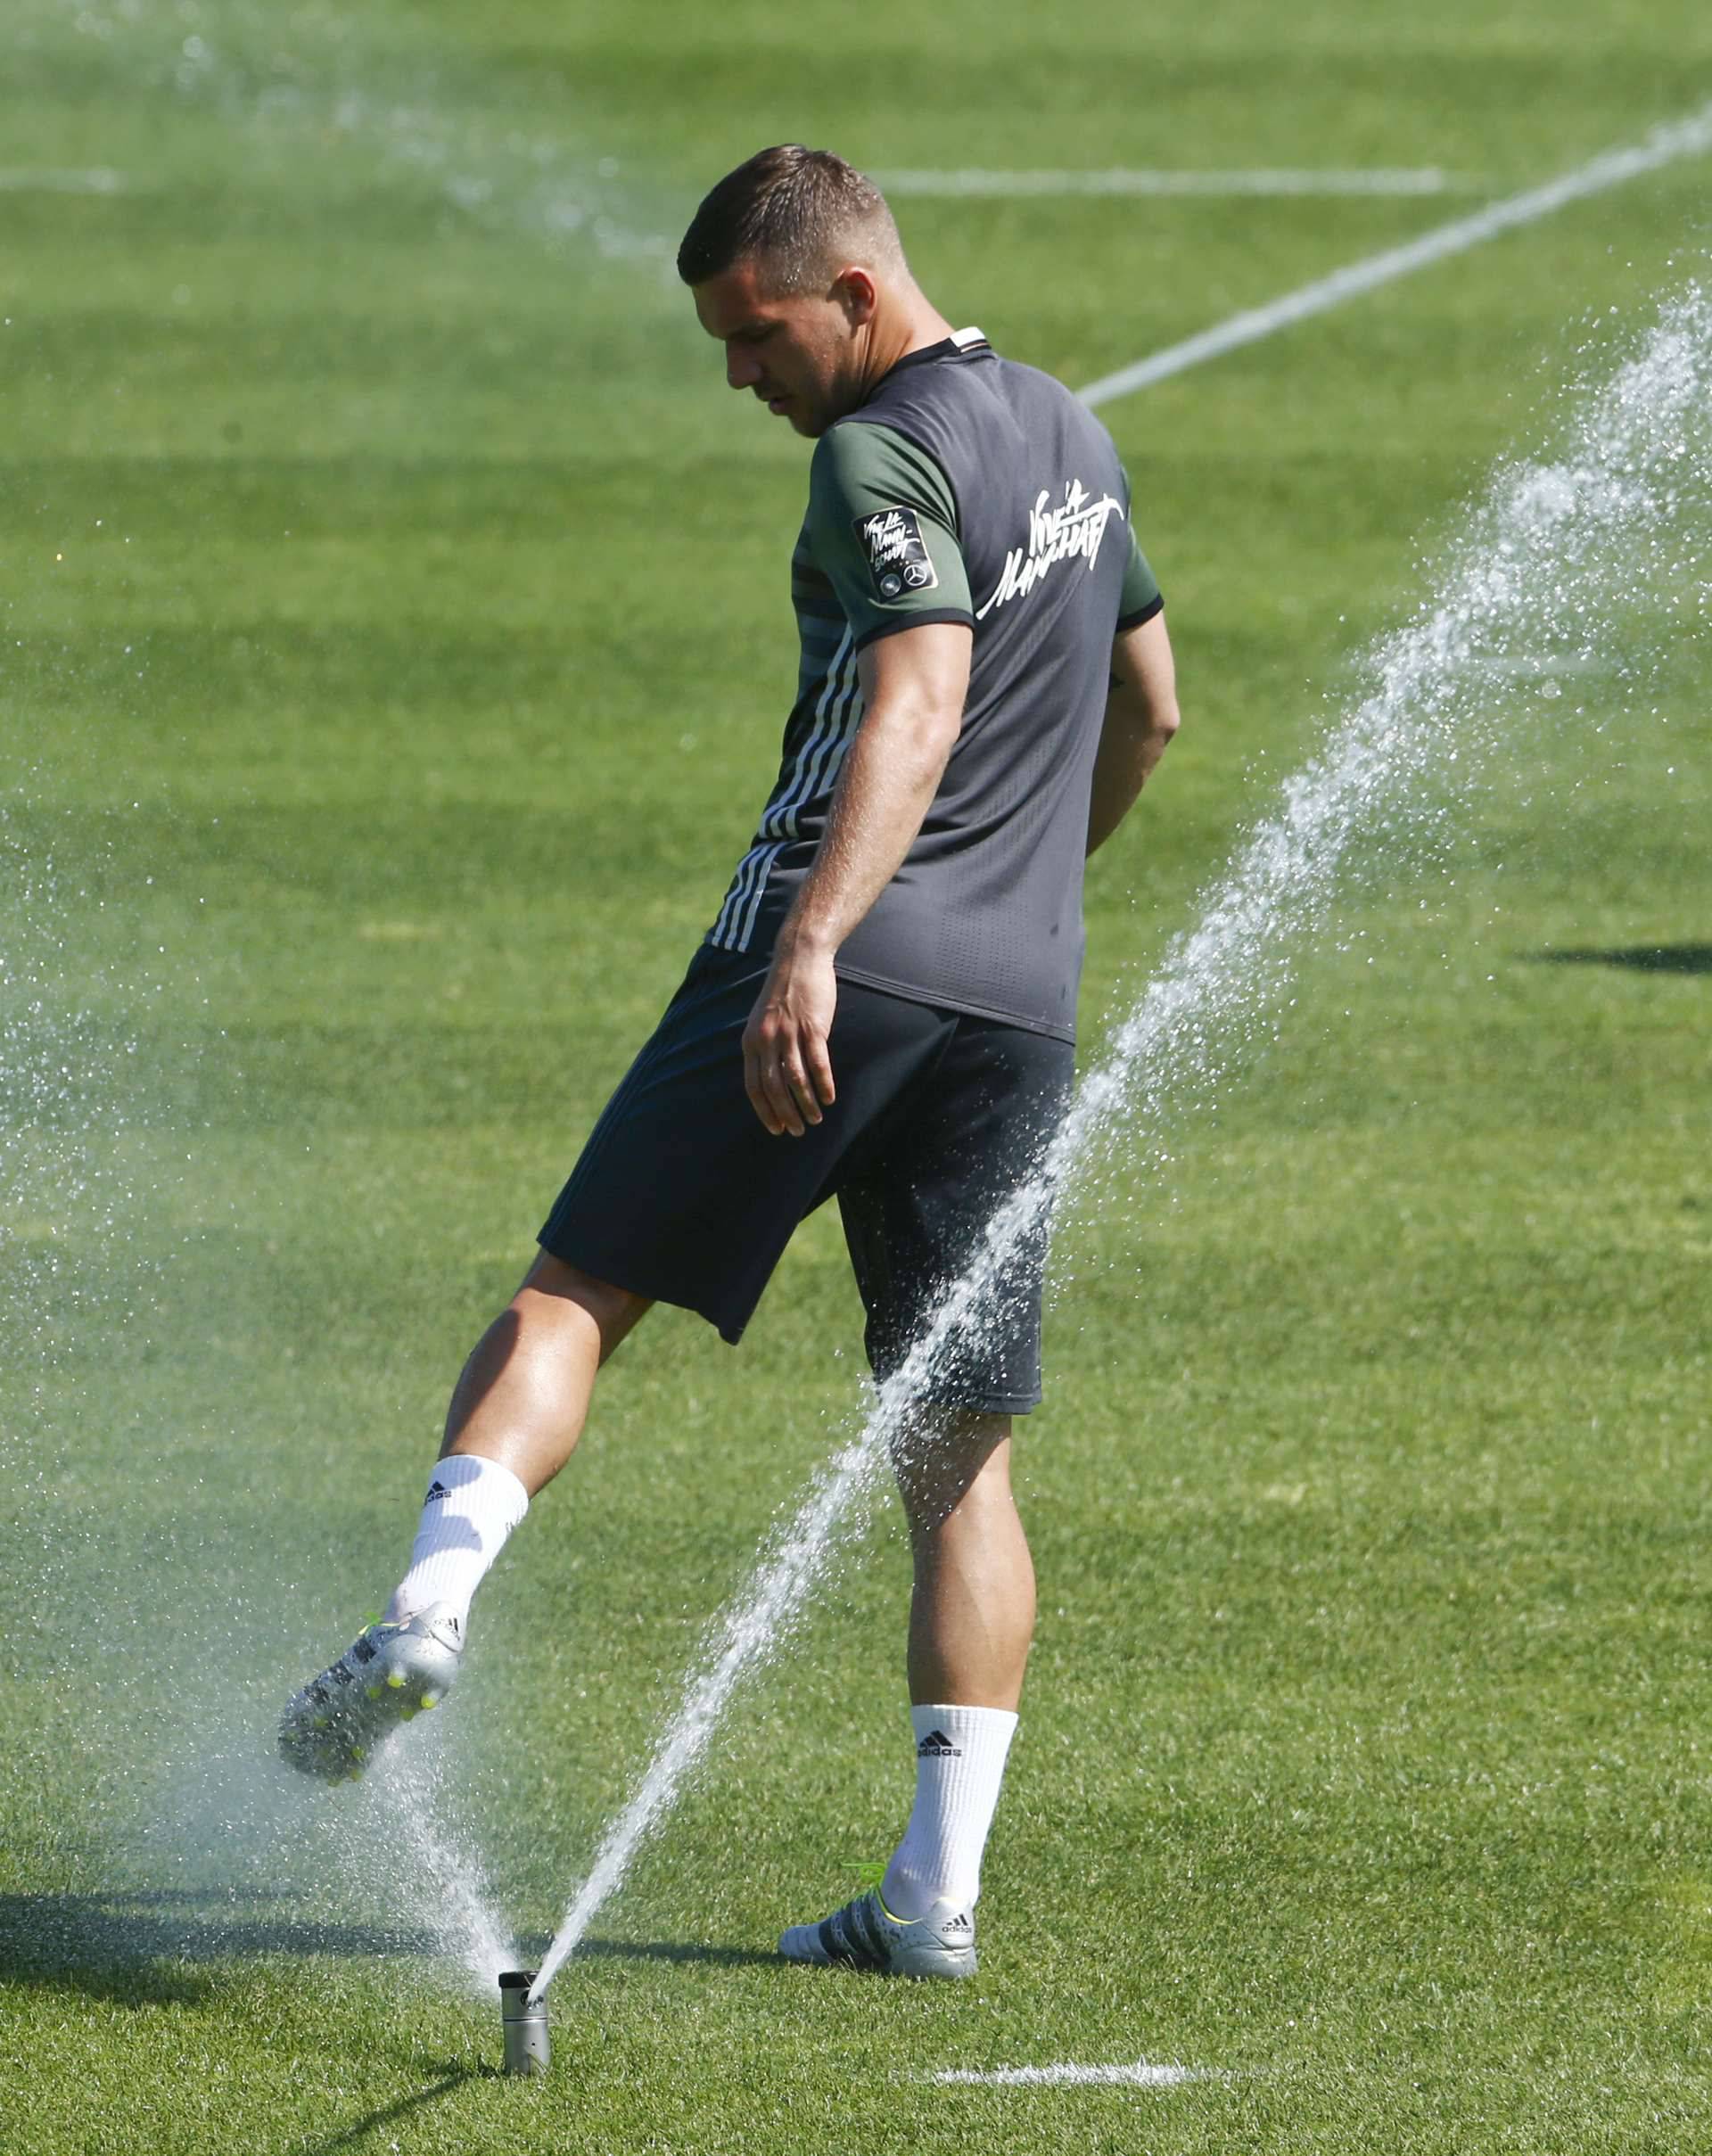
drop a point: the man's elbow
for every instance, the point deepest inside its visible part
(944, 725)
(932, 729)
(1146, 724)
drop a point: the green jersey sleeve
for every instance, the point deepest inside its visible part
(882, 528)
(1139, 599)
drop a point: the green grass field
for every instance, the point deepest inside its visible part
(394, 639)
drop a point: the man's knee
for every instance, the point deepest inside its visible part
(615, 1310)
(939, 1455)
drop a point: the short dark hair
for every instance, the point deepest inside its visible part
(789, 206)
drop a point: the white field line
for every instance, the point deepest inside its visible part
(1139, 2076)
(21, 180)
(973, 181)
(1691, 138)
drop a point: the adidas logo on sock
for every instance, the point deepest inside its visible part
(436, 1489)
(937, 1745)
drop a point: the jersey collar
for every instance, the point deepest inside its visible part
(961, 344)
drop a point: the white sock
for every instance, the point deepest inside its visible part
(472, 1506)
(959, 1763)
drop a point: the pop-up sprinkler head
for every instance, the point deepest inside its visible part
(529, 2049)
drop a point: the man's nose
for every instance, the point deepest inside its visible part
(742, 368)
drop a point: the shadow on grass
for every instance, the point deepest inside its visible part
(1640, 958)
(144, 1949)
(390, 2114)
(655, 1950)
(133, 1949)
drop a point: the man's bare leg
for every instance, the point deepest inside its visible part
(523, 1395)
(971, 1620)
(514, 1419)
(972, 1611)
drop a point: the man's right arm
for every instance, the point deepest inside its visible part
(1140, 718)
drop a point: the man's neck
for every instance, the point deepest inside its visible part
(909, 323)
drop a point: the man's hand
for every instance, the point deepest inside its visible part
(786, 1070)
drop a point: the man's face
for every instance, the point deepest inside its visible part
(796, 351)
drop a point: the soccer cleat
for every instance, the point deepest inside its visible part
(864, 1934)
(332, 1725)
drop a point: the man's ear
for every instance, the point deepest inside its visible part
(855, 291)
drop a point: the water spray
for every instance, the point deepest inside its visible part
(523, 2017)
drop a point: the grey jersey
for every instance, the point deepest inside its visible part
(967, 488)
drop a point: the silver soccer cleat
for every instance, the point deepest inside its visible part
(865, 1935)
(332, 1727)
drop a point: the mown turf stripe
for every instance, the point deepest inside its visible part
(1140, 2075)
(97, 180)
(976, 181)
(1691, 138)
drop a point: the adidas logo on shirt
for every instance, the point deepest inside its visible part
(937, 1745)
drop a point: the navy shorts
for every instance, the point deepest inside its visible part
(681, 1196)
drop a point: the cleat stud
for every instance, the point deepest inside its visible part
(431, 1698)
(396, 1681)
(321, 1722)
(407, 1714)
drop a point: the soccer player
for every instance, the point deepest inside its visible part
(884, 1008)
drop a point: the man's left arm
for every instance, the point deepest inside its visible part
(913, 683)
(1140, 719)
